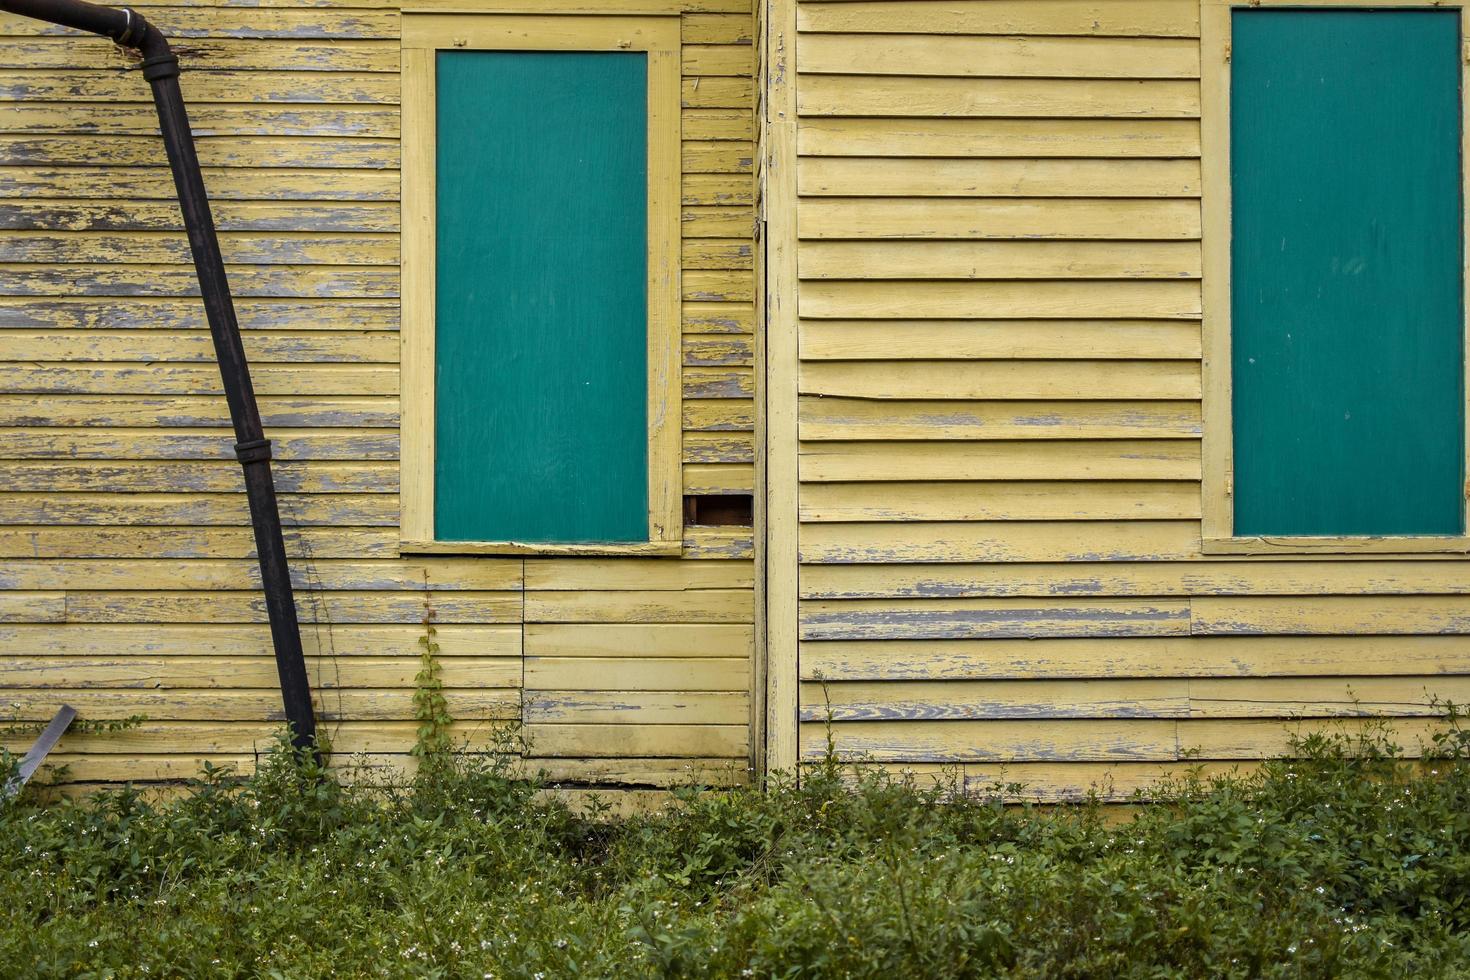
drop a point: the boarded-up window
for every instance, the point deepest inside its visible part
(541, 366)
(1347, 318)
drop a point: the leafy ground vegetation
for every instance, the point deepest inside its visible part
(1345, 862)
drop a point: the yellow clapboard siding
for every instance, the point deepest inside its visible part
(1331, 615)
(718, 156)
(973, 501)
(209, 737)
(716, 59)
(715, 415)
(955, 619)
(426, 574)
(999, 541)
(32, 607)
(999, 260)
(1103, 18)
(727, 28)
(595, 574)
(202, 54)
(827, 418)
(192, 379)
(891, 176)
(603, 641)
(1326, 697)
(152, 313)
(715, 253)
(1069, 299)
(904, 340)
(980, 137)
(1156, 459)
(719, 318)
(160, 443)
(718, 447)
(201, 410)
(479, 704)
(719, 543)
(716, 221)
(975, 700)
(717, 93)
(716, 349)
(218, 474)
(718, 478)
(638, 707)
(1199, 578)
(375, 509)
(665, 741)
(279, 21)
(228, 86)
(1005, 57)
(340, 157)
(636, 674)
(723, 382)
(224, 641)
(718, 124)
(243, 673)
(641, 772)
(301, 248)
(1269, 738)
(82, 770)
(720, 190)
(246, 280)
(1093, 698)
(1079, 740)
(222, 183)
(719, 286)
(263, 347)
(638, 606)
(44, 541)
(909, 96)
(982, 218)
(970, 380)
(1085, 658)
(68, 215)
(210, 119)
(327, 607)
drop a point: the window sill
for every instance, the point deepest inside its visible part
(611, 548)
(1404, 545)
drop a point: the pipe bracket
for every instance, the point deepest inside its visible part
(257, 451)
(160, 66)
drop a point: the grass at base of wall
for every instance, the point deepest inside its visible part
(1347, 861)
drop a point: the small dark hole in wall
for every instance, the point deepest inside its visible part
(719, 509)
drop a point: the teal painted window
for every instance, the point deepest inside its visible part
(541, 328)
(1347, 360)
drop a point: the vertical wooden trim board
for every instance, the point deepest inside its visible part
(782, 526)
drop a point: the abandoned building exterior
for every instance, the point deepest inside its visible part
(1052, 391)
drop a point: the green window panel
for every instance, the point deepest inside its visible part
(541, 336)
(1346, 287)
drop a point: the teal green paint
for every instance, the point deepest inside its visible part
(1347, 320)
(541, 359)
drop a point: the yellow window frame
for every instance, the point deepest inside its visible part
(423, 35)
(1218, 534)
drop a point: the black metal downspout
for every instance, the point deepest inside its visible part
(161, 69)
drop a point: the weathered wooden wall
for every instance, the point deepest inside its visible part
(998, 265)
(124, 541)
